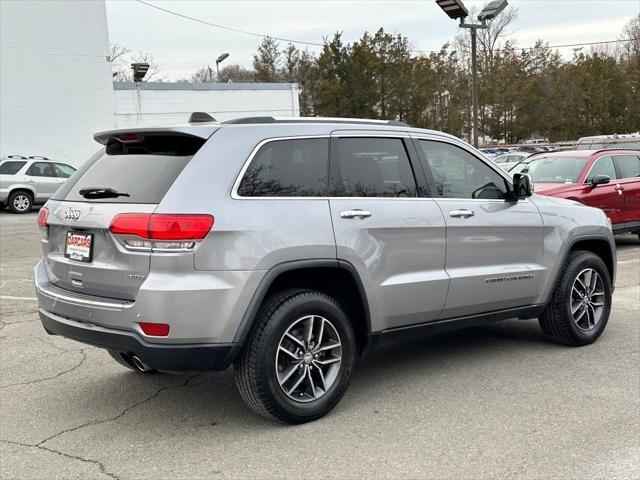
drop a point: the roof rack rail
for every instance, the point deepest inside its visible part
(39, 157)
(200, 117)
(267, 119)
(21, 157)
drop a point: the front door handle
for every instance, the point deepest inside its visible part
(461, 213)
(619, 189)
(355, 214)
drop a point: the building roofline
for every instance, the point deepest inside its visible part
(203, 86)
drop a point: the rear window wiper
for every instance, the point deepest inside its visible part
(101, 192)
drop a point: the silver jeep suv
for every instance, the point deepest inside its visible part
(289, 247)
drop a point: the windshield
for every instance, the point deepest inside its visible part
(553, 169)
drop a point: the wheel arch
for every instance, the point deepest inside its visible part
(598, 245)
(336, 278)
(22, 188)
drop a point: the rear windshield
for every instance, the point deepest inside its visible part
(140, 172)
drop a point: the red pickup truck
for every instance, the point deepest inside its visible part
(606, 179)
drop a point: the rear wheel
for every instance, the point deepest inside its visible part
(579, 309)
(20, 202)
(298, 362)
(129, 361)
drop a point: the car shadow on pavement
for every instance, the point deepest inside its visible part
(189, 402)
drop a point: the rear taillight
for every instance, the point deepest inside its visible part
(161, 231)
(43, 217)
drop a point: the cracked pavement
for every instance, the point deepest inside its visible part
(489, 402)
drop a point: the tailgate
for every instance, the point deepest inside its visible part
(112, 271)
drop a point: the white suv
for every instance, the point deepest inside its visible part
(25, 181)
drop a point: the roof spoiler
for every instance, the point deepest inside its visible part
(198, 130)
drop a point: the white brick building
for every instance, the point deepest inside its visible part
(162, 103)
(55, 77)
(56, 86)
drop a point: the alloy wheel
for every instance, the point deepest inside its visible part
(21, 203)
(308, 358)
(587, 300)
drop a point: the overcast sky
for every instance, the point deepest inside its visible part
(182, 46)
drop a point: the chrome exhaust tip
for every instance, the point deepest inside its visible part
(139, 364)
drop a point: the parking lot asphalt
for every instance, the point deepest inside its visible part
(491, 402)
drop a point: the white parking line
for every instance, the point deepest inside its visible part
(628, 261)
(11, 297)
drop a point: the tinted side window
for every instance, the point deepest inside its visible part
(458, 174)
(11, 168)
(41, 169)
(288, 168)
(603, 166)
(63, 170)
(372, 167)
(628, 165)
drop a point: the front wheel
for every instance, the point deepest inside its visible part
(581, 303)
(298, 362)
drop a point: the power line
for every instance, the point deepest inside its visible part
(260, 35)
(231, 29)
(550, 46)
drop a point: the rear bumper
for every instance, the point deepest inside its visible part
(176, 357)
(200, 307)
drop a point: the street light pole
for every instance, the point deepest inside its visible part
(220, 59)
(474, 87)
(455, 9)
(474, 72)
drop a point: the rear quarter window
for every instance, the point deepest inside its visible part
(288, 168)
(11, 168)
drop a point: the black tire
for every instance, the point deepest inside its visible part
(557, 321)
(126, 361)
(255, 367)
(20, 202)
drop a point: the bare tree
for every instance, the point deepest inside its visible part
(630, 48)
(201, 76)
(488, 39)
(121, 60)
(497, 29)
(119, 65)
(236, 73)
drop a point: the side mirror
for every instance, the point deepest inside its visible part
(599, 180)
(522, 186)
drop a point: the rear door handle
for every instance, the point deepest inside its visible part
(355, 214)
(461, 213)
